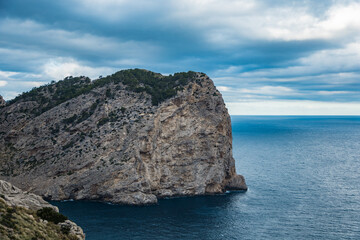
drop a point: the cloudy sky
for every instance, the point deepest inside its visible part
(265, 56)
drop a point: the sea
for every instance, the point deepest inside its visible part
(303, 175)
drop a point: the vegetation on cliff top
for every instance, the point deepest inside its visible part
(21, 223)
(137, 80)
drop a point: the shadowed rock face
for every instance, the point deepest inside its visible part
(2, 101)
(127, 151)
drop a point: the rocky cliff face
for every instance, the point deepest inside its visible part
(123, 141)
(19, 219)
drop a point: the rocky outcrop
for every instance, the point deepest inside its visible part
(236, 183)
(121, 141)
(2, 101)
(14, 196)
(72, 229)
(19, 219)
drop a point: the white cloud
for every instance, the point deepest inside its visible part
(227, 23)
(342, 17)
(331, 66)
(59, 68)
(270, 90)
(3, 83)
(223, 88)
(347, 57)
(288, 107)
(298, 24)
(232, 94)
(55, 69)
(225, 19)
(333, 92)
(230, 22)
(7, 95)
(6, 74)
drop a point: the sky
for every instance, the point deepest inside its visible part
(267, 57)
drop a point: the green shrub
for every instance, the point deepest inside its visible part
(65, 230)
(49, 214)
(7, 219)
(70, 119)
(113, 117)
(137, 80)
(70, 144)
(102, 121)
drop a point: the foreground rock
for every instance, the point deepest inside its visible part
(129, 138)
(19, 218)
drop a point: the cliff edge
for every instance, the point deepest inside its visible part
(128, 138)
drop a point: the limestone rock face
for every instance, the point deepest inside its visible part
(127, 150)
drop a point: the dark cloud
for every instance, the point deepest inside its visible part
(254, 50)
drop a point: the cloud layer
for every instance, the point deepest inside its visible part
(255, 50)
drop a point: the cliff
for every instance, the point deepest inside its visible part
(129, 138)
(21, 218)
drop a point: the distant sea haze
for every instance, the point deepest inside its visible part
(303, 175)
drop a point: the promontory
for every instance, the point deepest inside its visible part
(130, 138)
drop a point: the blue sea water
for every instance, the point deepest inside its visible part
(303, 175)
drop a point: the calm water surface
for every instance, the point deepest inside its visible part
(303, 175)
